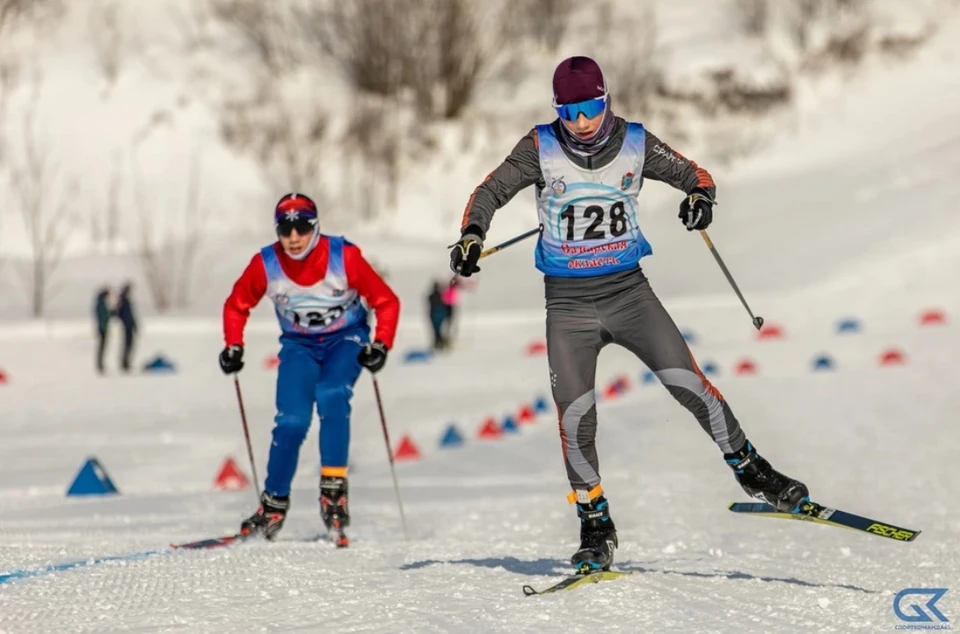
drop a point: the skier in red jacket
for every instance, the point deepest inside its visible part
(316, 283)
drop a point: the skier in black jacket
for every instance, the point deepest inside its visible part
(588, 167)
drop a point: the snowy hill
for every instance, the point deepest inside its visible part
(847, 216)
(165, 150)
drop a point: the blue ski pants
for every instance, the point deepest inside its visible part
(320, 373)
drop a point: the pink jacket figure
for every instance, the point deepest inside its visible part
(451, 297)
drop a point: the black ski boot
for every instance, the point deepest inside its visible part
(763, 482)
(268, 520)
(598, 537)
(334, 509)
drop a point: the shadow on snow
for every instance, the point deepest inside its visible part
(537, 567)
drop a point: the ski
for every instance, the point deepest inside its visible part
(813, 512)
(576, 581)
(213, 542)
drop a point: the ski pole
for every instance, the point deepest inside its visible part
(246, 436)
(512, 241)
(386, 439)
(499, 247)
(757, 321)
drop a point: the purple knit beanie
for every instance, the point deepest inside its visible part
(578, 79)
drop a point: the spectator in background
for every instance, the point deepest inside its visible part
(124, 313)
(102, 315)
(439, 312)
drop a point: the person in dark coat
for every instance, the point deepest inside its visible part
(124, 313)
(439, 313)
(102, 315)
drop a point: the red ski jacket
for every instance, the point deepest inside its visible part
(250, 288)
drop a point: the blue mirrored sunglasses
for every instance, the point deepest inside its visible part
(590, 109)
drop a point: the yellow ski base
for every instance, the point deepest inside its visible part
(575, 581)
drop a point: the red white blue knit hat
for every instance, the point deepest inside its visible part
(294, 206)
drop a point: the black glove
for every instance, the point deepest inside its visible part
(373, 356)
(696, 211)
(231, 359)
(465, 254)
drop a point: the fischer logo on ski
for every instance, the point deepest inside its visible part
(813, 512)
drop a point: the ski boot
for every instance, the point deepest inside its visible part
(268, 520)
(598, 537)
(763, 482)
(334, 509)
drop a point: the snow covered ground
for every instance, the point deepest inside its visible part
(490, 516)
(854, 218)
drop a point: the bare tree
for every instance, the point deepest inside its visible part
(15, 12)
(459, 55)
(803, 19)
(194, 214)
(107, 40)
(14, 15)
(296, 149)
(168, 259)
(800, 20)
(1, 245)
(753, 16)
(426, 56)
(287, 141)
(372, 148)
(545, 21)
(10, 13)
(635, 79)
(373, 42)
(105, 222)
(112, 208)
(289, 147)
(435, 48)
(156, 272)
(43, 202)
(193, 24)
(8, 79)
(267, 28)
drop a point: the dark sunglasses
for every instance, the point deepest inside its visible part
(303, 226)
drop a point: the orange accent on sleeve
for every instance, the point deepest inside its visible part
(704, 179)
(379, 296)
(247, 292)
(703, 176)
(466, 210)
